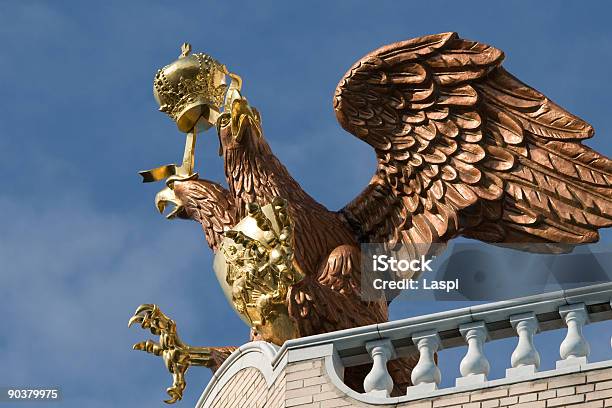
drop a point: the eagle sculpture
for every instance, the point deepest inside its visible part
(463, 148)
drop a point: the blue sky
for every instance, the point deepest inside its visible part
(80, 242)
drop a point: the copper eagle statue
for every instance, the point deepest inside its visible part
(463, 148)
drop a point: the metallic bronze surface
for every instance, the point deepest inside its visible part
(463, 148)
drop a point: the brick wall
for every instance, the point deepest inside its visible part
(583, 390)
(248, 389)
(305, 385)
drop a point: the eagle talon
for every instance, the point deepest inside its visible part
(150, 317)
(177, 356)
(176, 394)
(148, 346)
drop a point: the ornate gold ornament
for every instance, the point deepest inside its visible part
(191, 90)
(256, 262)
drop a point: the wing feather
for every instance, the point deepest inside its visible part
(465, 148)
(209, 204)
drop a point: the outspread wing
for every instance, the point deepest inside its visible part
(465, 148)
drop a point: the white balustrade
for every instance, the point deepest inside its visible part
(474, 366)
(525, 358)
(426, 374)
(574, 349)
(472, 326)
(378, 381)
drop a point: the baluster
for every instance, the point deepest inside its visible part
(378, 381)
(574, 349)
(474, 367)
(525, 359)
(426, 374)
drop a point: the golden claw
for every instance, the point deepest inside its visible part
(149, 346)
(177, 356)
(175, 393)
(150, 317)
(139, 313)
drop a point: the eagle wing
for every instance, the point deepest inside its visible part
(465, 148)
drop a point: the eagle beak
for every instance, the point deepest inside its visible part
(167, 196)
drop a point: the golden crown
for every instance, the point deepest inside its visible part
(190, 87)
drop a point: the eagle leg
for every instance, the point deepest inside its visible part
(177, 356)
